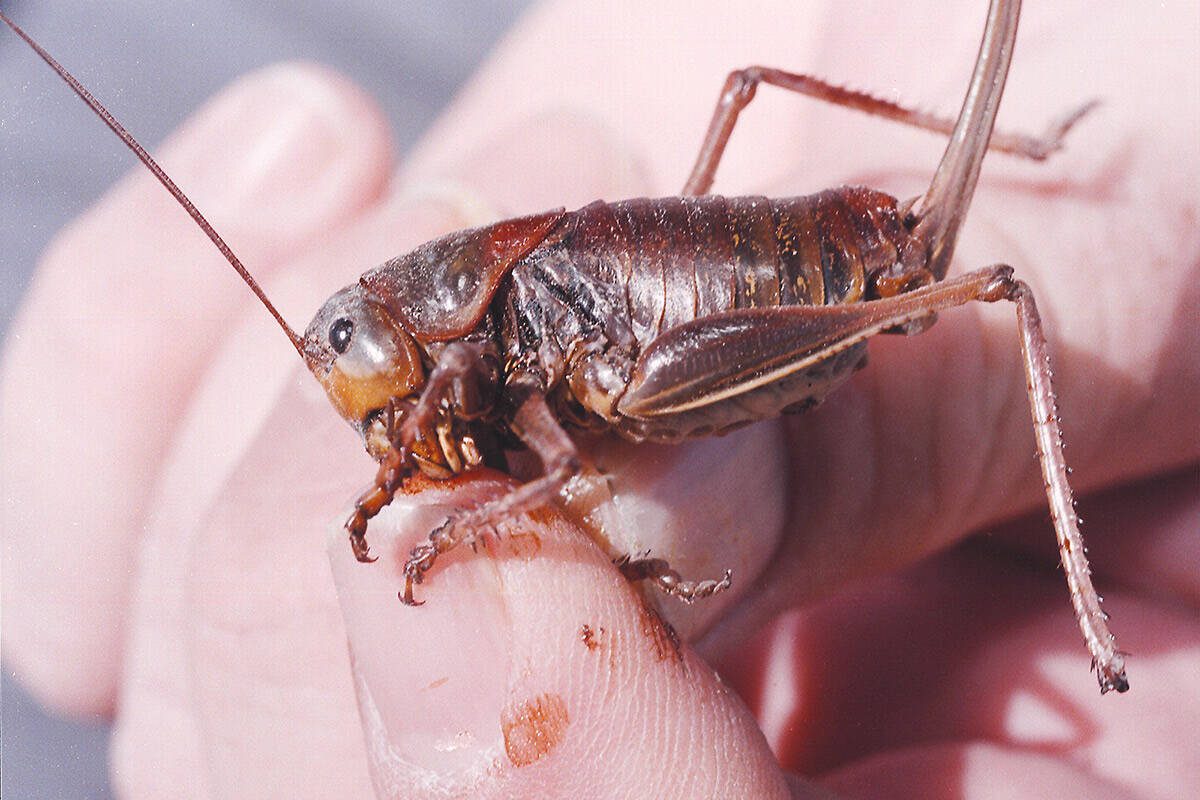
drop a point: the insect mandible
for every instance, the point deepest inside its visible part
(664, 319)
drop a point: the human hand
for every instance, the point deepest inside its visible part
(222, 650)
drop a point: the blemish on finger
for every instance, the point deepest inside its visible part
(662, 635)
(524, 544)
(591, 637)
(533, 728)
(419, 482)
(541, 516)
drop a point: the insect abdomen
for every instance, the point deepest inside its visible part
(676, 259)
(615, 276)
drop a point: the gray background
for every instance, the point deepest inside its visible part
(151, 63)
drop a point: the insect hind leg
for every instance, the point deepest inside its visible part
(996, 284)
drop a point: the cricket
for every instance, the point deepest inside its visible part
(665, 319)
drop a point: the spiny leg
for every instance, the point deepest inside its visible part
(741, 85)
(669, 581)
(666, 381)
(538, 429)
(1107, 660)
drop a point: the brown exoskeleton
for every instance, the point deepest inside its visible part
(664, 319)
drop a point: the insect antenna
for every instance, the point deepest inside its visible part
(163, 178)
(942, 209)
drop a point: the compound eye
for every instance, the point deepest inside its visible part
(340, 334)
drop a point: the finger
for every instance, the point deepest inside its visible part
(973, 647)
(1163, 562)
(109, 341)
(259, 455)
(522, 659)
(238, 681)
(971, 770)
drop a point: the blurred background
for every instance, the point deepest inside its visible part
(151, 64)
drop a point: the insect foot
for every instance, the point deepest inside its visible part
(670, 582)
(451, 533)
(362, 551)
(419, 562)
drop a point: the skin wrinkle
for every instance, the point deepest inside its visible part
(1000, 418)
(939, 417)
(874, 489)
(1102, 416)
(997, 345)
(953, 508)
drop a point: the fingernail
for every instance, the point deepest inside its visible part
(287, 146)
(430, 679)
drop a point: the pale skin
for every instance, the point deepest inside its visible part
(170, 570)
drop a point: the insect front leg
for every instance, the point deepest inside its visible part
(465, 371)
(536, 426)
(465, 374)
(741, 86)
(393, 469)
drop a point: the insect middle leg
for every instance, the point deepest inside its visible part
(463, 369)
(741, 86)
(536, 426)
(669, 581)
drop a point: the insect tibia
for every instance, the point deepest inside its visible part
(1106, 658)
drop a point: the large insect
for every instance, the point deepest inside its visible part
(663, 319)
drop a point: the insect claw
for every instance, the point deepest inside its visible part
(362, 551)
(1117, 682)
(406, 596)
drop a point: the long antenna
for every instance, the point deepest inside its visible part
(163, 178)
(944, 206)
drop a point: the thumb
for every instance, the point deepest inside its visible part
(532, 669)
